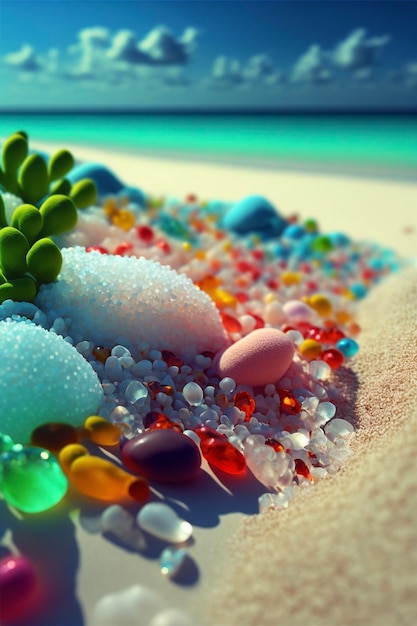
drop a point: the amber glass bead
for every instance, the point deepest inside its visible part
(54, 436)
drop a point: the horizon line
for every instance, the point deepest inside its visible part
(209, 111)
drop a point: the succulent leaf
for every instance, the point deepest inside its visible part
(19, 289)
(3, 220)
(44, 260)
(33, 178)
(84, 193)
(59, 214)
(62, 187)
(60, 164)
(28, 220)
(15, 150)
(13, 249)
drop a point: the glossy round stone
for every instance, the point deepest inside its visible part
(18, 582)
(260, 358)
(348, 347)
(31, 479)
(223, 455)
(101, 431)
(163, 455)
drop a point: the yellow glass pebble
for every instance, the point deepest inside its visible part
(124, 219)
(269, 297)
(310, 349)
(320, 304)
(110, 206)
(223, 299)
(290, 278)
(101, 431)
(69, 454)
(186, 246)
(227, 246)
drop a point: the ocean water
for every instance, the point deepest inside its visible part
(376, 144)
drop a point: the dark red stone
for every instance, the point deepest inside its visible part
(163, 455)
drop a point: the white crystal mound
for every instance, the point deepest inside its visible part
(113, 299)
(43, 379)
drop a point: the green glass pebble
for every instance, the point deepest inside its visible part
(6, 443)
(31, 479)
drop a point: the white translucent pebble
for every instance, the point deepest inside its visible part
(325, 411)
(320, 370)
(297, 441)
(338, 428)
(135, 606)
(273, 313)
(43, 379)
(114, 299)
(171, 560)
(227, 385)
(160, 520)
(120, 524)
(136, 392)
(295, 336)
(192, 435)
(172, 617)
(275, 501)
(193, 394)
(248, 323)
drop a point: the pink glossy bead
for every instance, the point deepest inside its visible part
(18, 582)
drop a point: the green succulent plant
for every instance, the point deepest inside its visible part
(29, 177)
(28, 255)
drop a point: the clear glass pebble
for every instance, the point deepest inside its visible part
(193, 394)
(171, 560)
(136, 392)
(160, 520)
(338, 428)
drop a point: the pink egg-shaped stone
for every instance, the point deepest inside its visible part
(18, 582)
(260, 358)
(297, 310)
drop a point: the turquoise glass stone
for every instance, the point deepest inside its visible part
(31, 479)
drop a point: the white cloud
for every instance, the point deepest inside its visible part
(25, 59)
(124, 47)
(410, 74)
(357, 51)
(311, 67)
(160, 47)
(259, 69)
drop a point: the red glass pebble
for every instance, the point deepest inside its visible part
(155, 421)
(230, 323)
(334, 334)
(145, 233)
(206, 432)
(223, 455)
(100, 249)
(163, 455)
(18, 583)
(259, 323)
(171, 359)
(244, 402)
(123, 249)
(334, 358)
(164, 246)
(301, 468)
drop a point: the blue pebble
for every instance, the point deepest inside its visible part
(348, 347)
(254, 214)
(358, 290)
(134, 194)
(106, 182)
(339, 239)
(293, 231)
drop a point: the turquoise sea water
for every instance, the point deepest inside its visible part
(381, 144)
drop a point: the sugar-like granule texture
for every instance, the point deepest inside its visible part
(44, 379)
(112, 299)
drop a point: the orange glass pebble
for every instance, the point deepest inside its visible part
(101, 431)
(101, 353)
(310, 349)
(101, 479)
(278, 447)
(244, 402)
(54, 436)
(159, 421)
(290, 278)
(123, 219)
(289, 403)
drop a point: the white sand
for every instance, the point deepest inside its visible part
(344, 553)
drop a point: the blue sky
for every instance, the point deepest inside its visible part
(207, 54)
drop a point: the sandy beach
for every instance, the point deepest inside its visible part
(344, 552)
